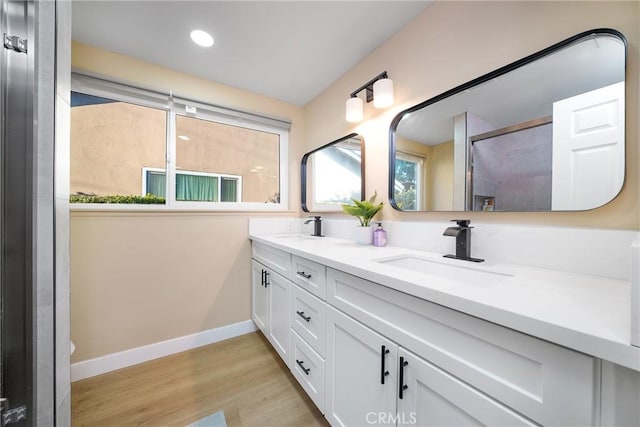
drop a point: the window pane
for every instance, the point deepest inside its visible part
(405, 194)
(215, 148)
(229, 190)
(156, 183)
(112, 143)
(196, 188)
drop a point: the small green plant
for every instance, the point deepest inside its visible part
(364, 210)
(149, 199)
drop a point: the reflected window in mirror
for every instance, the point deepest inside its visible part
(333, 174)
(544, 133)
(409, 182)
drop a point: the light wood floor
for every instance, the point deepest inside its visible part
(242, 376)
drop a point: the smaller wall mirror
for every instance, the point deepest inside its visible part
(333, 174)
(545, 133)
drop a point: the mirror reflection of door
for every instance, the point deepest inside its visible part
(588, 140)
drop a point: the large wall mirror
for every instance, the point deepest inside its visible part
(333, 174)
(545, 133)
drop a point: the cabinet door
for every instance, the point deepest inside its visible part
(279, 291)
(432, 397)
(259, 297)
(355, 365)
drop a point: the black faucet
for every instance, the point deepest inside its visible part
(462, 233)
(317, 225)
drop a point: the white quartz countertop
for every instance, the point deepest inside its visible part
(586, 313)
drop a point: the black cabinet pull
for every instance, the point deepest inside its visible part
(301, 314)
(305, 370)
(402, 386)
(263, 277)
(303, 274)
(383, 372)
(266, 278)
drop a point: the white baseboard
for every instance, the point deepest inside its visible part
(111, 362)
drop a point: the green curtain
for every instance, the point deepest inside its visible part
(229, 190)
(196, 188)
(156, 183)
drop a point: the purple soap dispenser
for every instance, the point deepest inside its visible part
(379, 236)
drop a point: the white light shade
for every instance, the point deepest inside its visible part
(201, 38)
(355, 110)
(383, 93)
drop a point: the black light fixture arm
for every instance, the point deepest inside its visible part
(369, 86)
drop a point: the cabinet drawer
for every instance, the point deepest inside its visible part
(277, 260)
(308, 368)
(310, 275)
(308, 315)
(547, 383)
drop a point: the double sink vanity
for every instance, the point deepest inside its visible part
(395, 336)
(543, 332)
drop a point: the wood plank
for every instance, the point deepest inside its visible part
(242, 376)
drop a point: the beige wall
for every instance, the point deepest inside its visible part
(440, 180)
(453, 42)
(140, 278)
(137, 277)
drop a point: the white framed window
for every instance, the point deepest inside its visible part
(409, 182)
(192, 186)
(139, 147)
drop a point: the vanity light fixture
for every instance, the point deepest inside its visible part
(202, 38)
(379, 90)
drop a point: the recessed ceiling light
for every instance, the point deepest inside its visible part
(184, 137)
(201, 38)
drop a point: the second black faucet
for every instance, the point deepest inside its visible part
(462, 233)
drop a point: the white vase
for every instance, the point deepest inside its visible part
(363, 235)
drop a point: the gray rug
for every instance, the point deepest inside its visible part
(214, 420)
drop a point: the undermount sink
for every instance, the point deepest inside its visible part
(460, 273)
(293, 237)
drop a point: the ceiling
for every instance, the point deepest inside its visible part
(287, 50)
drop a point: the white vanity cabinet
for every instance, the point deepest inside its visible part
(271, 295)
(355, 345)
